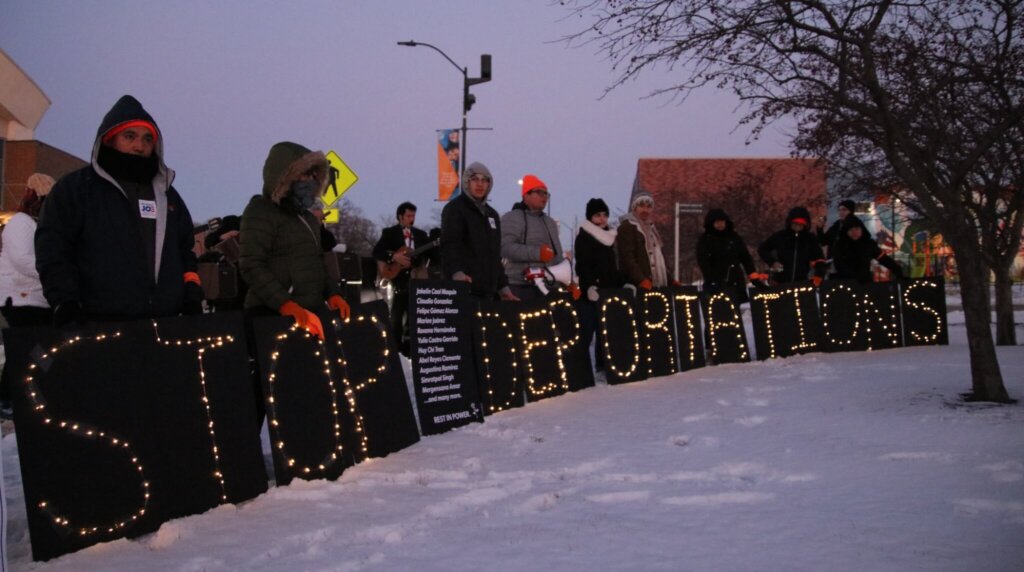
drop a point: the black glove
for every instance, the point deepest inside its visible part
(896, 273)
(67, 313)
(192, 304)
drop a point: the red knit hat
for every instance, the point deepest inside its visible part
(109, 135)
(531, 182)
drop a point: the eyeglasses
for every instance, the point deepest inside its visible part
(479, 179)
(540, 192)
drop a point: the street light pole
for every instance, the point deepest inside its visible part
(468, 99)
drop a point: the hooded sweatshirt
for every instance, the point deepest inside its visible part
(853, 257)
(281, 257)
(471, 239)
(798, 252)
(119, 248)
(721, 254)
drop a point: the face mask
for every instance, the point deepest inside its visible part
(304, 193)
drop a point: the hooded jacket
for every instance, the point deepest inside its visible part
(471, 239)
(722, 255)
(797, 252)
(853, 257)
(89, 244)
(281, 257)
(522, 233)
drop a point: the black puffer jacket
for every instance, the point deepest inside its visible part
(471, 240)
(722, 255)
(89, 246)
(853, 257)
(797, 252)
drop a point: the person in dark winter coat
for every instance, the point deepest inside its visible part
(115, 239)
(389, 250)
(281, 256)
(855, 251)
(638, 245)
(723, 257)
(594, 253)
(471, 238)
(827, 239)
(793, 252)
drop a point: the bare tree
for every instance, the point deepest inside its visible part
(900, 83)
(353, 229)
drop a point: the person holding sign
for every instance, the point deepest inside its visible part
(115, 239)
(793, 252)
(281, 247)
(638, 245)
(723, 257)
(471, 238)
(395, 260)
(855, 251)
(594, 251)
(529, 239)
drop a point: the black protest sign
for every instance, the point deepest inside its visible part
(374, 373)
(923, 304)
(620, 340)
(502, 383)
(538, 351)
(123, 426)
(315, 430)
(686, 319)
(723, 329)
(658, 338)
(786, 321)
(573, 353)
(441, 314)
(858, 317)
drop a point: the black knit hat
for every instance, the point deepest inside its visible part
(850, 205)
(595, 206)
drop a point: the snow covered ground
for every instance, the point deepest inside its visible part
(860, 461)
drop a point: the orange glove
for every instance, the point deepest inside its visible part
(546, 254)
(303, 318)
(816, 280)
(757, 276)
(338, 303)
(645, 284)
(574, 290)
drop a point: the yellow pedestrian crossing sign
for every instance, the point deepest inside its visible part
(339, 179)
(332, 216)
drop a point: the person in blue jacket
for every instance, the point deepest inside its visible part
(115, 239)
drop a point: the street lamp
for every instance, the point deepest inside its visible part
(468, 99)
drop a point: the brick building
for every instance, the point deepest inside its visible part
(756, 193)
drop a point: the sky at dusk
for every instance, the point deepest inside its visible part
(225, 80)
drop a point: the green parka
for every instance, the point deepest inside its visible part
(281, 254)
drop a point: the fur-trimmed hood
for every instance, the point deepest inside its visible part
(285, 163)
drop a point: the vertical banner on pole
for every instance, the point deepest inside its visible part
(448, 151)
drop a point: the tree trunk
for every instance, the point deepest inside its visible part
(1006, 330)
(986, 378)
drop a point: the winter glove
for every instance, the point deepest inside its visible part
(303, 318)
(776, 267)
(574, 290)
(675, 283)
(67, 313)
(338, 303)
(592, 294)
(192, 304)
(645, 284)
(816, 280)
(546, 254)
(755, 276)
